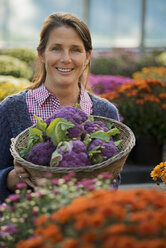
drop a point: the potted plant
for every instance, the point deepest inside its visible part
(142, 104)
(104, 219)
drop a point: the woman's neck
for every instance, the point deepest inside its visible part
(67, 95)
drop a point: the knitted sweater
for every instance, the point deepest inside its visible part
(14, 118)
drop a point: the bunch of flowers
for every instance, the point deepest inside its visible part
(104, 83)
(10, 85)
(142, 105)
(19, 211)
(133, 218)
(159, 173)
(151, 73)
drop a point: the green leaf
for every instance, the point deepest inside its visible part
(118, 143)
(108, 124)
(94, 155)
(58, 130)
(105, 136)
(77, 105)
(87, 140)
(94, 151)
(55, 158)
(23, 152)
(35, 136)
(91, 118)
(40, 123)
(113, 131)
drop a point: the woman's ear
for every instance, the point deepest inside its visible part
(88, 57)
(41, 57)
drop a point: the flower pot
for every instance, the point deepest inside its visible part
(147, 151)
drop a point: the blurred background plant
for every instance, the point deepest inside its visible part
(102, 218)
(86, 213)
(151, 73)
(10, 85)
(142, 104)
(161, 58)
(49, 195)
(25, 54)
(14, 67)
(100, 84)
(123, 62)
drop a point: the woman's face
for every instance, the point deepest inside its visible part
(65, 57)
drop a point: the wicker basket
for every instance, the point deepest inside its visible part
(113, 165)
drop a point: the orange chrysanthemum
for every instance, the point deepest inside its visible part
(107, 219)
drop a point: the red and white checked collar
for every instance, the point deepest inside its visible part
(42, 103)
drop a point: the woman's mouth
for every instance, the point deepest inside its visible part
(64, 69)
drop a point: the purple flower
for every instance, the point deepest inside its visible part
(10, 229)
(103, 83)
(55, 181)
(21, 185)
(13, 197)
(3, 206)
(105, 175)
(29, 196)
(87, 182)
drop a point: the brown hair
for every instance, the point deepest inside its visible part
(53, 21)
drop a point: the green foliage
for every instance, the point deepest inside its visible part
(24, 54)
(14, 67)
(122, 62)
(58, 130)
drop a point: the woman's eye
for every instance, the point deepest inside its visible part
(56, 49)
(76, 50)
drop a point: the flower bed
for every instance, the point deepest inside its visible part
(69, 213)
(19, 211)
(105, 83)
(142, 105)
(151, 73)
(133, 218)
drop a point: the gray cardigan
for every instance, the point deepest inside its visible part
(14, 118)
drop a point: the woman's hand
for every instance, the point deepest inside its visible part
(18, 175)
(22, 174)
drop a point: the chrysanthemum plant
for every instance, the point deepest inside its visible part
(159, 173)
(104, 219)
(19, 211)
(142, 104)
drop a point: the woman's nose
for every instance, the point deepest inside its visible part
(66, 58)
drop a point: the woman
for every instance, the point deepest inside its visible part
(64, 53)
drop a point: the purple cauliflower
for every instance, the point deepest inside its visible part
(73, 114)
(99, 150)
(41, 153)
(70, 154)
(93, 126)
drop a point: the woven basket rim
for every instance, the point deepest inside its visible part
(113, 159)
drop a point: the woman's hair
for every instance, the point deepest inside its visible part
(56, 20)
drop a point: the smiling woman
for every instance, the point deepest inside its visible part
(61, 74)
(65, 60)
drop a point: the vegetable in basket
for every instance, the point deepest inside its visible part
(70, 138)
